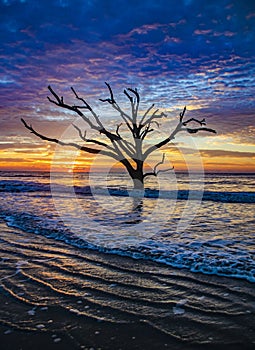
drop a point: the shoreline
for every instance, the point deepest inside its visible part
(88, 334)
(103, 338)
(56, 296)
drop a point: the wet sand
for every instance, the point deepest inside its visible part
(54, 296)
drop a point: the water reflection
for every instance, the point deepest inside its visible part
(136, 215)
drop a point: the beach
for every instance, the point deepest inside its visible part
(56, 296)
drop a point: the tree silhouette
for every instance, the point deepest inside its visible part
(132, 153)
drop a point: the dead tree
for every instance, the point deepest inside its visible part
(132, 153)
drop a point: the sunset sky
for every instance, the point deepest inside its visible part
(198, 53)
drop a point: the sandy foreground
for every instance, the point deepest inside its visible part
(54, 296)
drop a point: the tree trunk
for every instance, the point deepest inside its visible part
(138, 179)
(138, 184)
(135, 174)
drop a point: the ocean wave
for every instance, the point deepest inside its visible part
(204, 256)
(23, 186)
(215, 196)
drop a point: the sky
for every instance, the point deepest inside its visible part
(198, 53)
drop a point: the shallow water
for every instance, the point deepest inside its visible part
(40, 275)
(211, 232)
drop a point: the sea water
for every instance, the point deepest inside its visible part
(204, 223)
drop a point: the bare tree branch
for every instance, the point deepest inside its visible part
(128, 96)
(135, 92)
(134, 104)
(194, 131)
(179, 128)
(159, 163)
(146, 131)
(89, 108)
(145, 114)
(110, 100)
(155, 172)
(83, 137)
(163, 142)
(201, 122)
(72, 144)
(154, 116)
(130, 148)
(182, 114)
(115, 106)
(117, 130)
(127, 147)
(81, 99)
(133, 118)
(60, 102)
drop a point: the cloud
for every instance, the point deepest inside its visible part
(194, 53)
(21, 147)
(202, 31)
(226, 154)
(250, 15)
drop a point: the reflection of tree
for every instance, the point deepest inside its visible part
(130, 153)
(137, 205)
(135, 216)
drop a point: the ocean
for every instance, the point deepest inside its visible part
(88, 263)
(204, 223)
